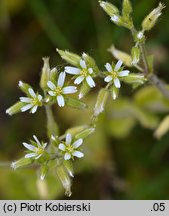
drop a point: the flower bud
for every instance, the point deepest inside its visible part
(135, 55)
(85, 133)
(43, 171)
(109, 8)
(75, 103)
(90, 62)
(21, 162)
(134, 79)
(65, 179)
(101, 101)
(127, 8)
(73, 131)
(15, 108)
(114, 92)
(24, 87)
(45, 74)
(69, 166)
(152, 18)
(162, 128)
(119, 55)
(84, 89)
(71, 58)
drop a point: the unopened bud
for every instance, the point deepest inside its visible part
(152, 18)
(84, 89)
(45, 74)
(69, 166)
(24, 87)
(76, 130)
(85, 133)
(21, 162)
(101, 101)
(127, 8)
(15, 108)
(114, 92)
(109, 8)
(43, 172)
(119, 55)
(135, 79)
(65, 179)
(71, 58)
(135, 55)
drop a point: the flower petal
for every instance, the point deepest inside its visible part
(77, 143)
(40, 97)
(90, 81)
(78, 154)
(83, 63)
(60, 100)
(108, 78)
(31, 92)
(25, 99)
(61, 79)
(79, 79)
(34, 109)
(108, 67)
(72, 70)
(90, 70)
(118, 65)
(37, 141)
(52, 93)
(123, 73)
(51, 85)
(62, 147)
(28, 146)
(27, 107)
(38, 156)
(69, 90)
(67, 156)
(117, 83)
(30, 155)
(68, 139)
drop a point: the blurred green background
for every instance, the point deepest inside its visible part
(122, 159)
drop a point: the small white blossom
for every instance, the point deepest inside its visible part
(140, 35)
(31, 102)
(59, 91)
(36, 151)
(70, 149)
(115, 18)
(115, 73)
(82, 73)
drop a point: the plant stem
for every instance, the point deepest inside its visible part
(144, 57)
(52, 127)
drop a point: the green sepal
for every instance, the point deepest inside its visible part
(21, 162)
(84, 89)
(90, 62)
(84, 133)
(24, 87)
(70, 57)
(45, 75)
(69, 166)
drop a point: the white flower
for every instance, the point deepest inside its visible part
(115, 18)
(140, 35)
(82, 73)
(70, 149)
(114, 73)
(58, 90)
(31, 102)
(36, 151)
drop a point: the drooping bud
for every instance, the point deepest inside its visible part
(109, 8)
(114, 92)
(152, 18)
(135, 79)
(70, 57)
(45, 76)
(21, 162)
(119, 55)
(90, 62)
(15, 108)
(24, 87)
(85, 133)
(162, 128)
(101, 101)
(43, 171)
(73, 131)
(135, 52)
(69, 166)
(84, 89)
(127, 8)
(65, 179)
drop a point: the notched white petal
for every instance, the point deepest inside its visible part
(25, 99)
(51, 85)
(108, 67)
(72, 70)
(90, 81)
(90, 70)
(117, 83)
(30, 155)
(60, 100)
(69, 90)
(77, 143)
(78, 154)
(108, 78)
(52, 93)
(31, 92)
(123, 73)
(78, 80)
(34, 109)
(67, 156)
(61, 79)
(27, 107)
(83, 64)
(118, 65)
(28, 146)
(62, 147)
(68, 139)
